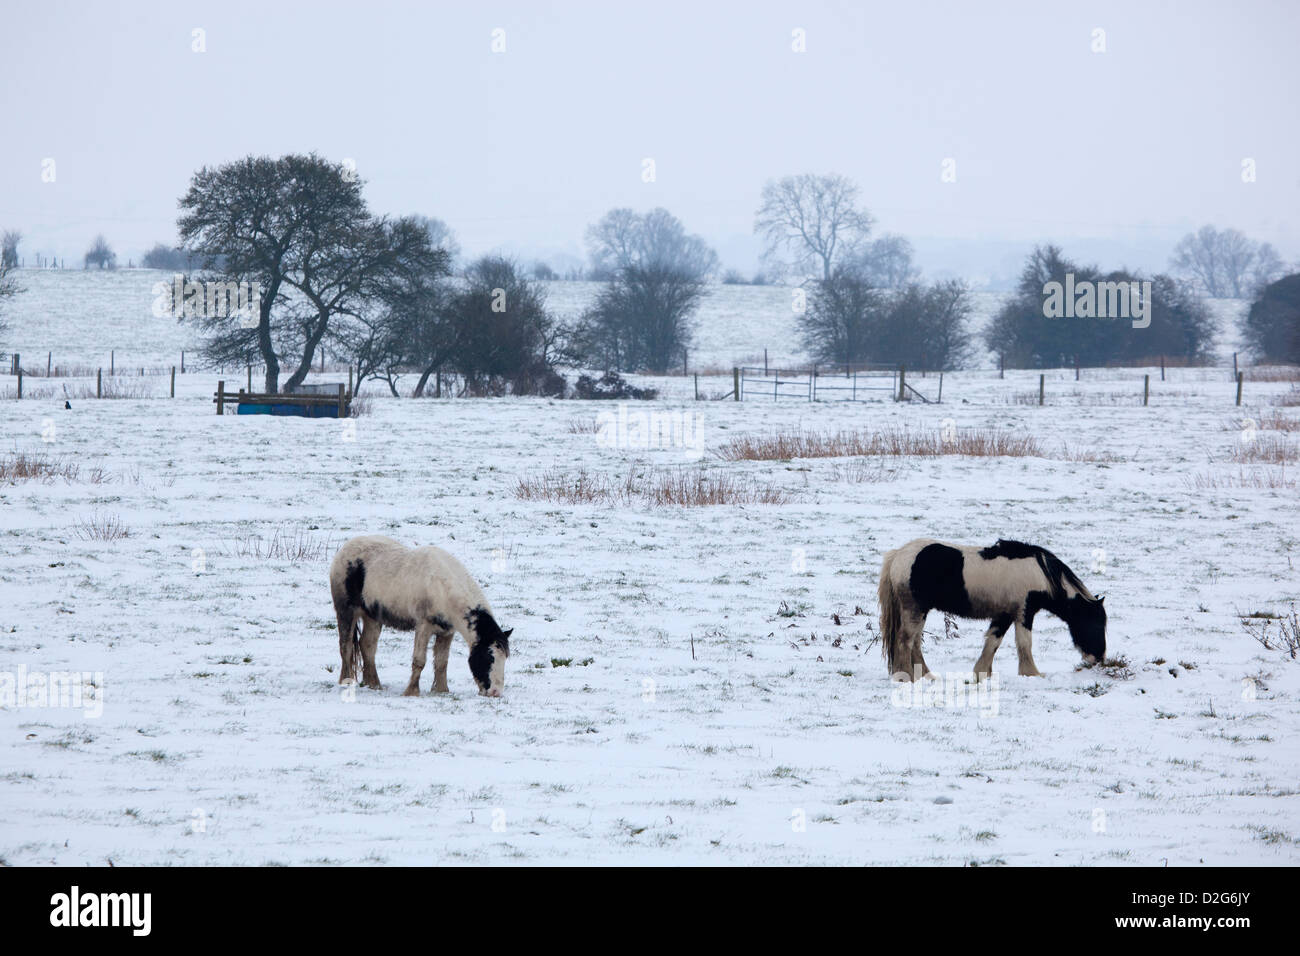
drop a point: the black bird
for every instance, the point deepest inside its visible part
(67, 404)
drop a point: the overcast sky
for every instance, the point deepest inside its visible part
(520, 150)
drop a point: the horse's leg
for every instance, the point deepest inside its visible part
(421, 653)
(347, 630)
(1025, 649)
(992, 641)
(370, 629)
(914, 627)
(441, 649)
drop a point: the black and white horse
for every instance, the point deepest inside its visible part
(376, 581)
(1008, 583)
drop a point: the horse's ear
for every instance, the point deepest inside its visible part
(1101, 599)
(507, 632)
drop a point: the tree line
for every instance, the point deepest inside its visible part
(388, 294)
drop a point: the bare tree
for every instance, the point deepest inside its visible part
(9, 248)
(1225, 264)
(657, 276)
(887, 262)
(441, 236)
(100, 254)
(299, 228)
(502, 331)
(850, 320)
(814, 219)
(836, 327)
(1273, 323)
(8, 289)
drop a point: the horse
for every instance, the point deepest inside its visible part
(376, 581)
(1009, 582)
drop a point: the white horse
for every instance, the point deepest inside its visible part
(376, 581)
(1009, 583)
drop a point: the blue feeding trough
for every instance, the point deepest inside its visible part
(303, 411)
(306, 401)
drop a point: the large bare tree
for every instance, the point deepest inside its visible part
(1225, 264)
(815, 220)
(298, 227)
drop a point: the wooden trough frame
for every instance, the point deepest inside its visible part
(307, 406)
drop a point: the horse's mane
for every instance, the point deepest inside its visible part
(1056, 571)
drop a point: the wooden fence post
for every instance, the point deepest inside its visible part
(349, 378)
(437, 384)
(697, 386)
(812, 385)
(250, 378)
(902, 384)
(735, 378)
(1238, 388)
(1235, 373)
(342, 402)
(49, 364)
(221, 397)
(1162, 368)
(1146, 389)
(173, 395)
(939, 400)
(1001, 365)
(112, 363)
(1041, 379)
(20, 381)
(99, 383)
(182, 361)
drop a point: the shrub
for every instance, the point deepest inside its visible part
(609, 386)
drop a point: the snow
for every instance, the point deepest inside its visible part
(711, 711)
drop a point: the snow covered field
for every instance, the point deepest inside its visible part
(679, 691)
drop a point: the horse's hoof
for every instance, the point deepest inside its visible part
(411, 692)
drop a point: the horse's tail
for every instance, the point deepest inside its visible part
(891, 615)
(356, 650)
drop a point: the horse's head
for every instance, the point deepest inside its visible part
(1087, 623)
(487, 658)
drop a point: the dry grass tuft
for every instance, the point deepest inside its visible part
(583, 426)
(665, 487)
(1272, 373)
(864, 471)
(1270, 450)
(1257, 478)
(1275, 632)
(283, 545)
(21, 466)
(784, 446)
(1277, 422)
(101, 528)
